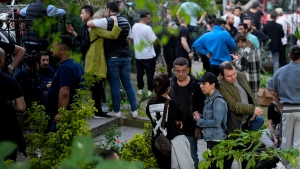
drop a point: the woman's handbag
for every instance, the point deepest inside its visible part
(162, 143)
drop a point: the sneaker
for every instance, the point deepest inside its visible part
(140, 92)
(104, 107)
(134, 114)
(101, 115)
(114, 114)
(196, 62)
(149, 93)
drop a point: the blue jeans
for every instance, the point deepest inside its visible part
(257, 123)
(119, 69)
(194, 150)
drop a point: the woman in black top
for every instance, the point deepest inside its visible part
(154, 110)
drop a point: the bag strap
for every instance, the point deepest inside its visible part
(222, 124)
(165, 113)
(94, 40)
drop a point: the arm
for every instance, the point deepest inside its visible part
(23, 11)
(199, 44)
(186, 47)
(19, 104)
(233, 104)
(99, 23)
(113, 34)
(203, 14)
(63, 96)
(19, 53)
(230, 42)
(218, 112)
(70, 30)
(53, 11)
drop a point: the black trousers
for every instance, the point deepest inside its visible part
(148, 66)
(96, 96)
(215, 70)
(170, 56)
(282, 57)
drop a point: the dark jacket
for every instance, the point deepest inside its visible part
(196, 100)
(232, 96)
(275, 33)
(84, 39)
(262, 38)
(118, 47)
(34, 11)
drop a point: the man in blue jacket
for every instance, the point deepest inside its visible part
(216, 45)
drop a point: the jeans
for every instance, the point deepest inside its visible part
(256, 123)
(275, 58)
(119, 69)
(215, 69)
(194, 150)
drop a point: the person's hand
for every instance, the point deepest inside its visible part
(48, 85)
(69, 28)
(208, 55)
(11, 72)
(113, 17)
(276, 142)
(253, 117)
(180, 124)
(196, 115)
(191, 55)
(235, 57)
(258, 111)
(56, 118)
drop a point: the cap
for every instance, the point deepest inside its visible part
(209, 77)
(255, 5)
(279, 11)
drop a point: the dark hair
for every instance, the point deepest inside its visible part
(89, 9)
(144, 14)
(273, 15)
(161, 83)
(244, 25)
(43, 52)
(180, 62)
(250, 19)
(108, 154)
(113, 6)
(240, 37)
(66, 40)
(220, 21)
(225, 65)
(255, 5)
(295, 52)
(238, 7)
(211, 16)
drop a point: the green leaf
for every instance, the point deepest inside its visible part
(6, 148)
(23, 165)
(82, 148)
(295, 152)
(205, 154)
(293, 161)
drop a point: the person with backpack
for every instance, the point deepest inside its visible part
(235, 89)
(214, 117)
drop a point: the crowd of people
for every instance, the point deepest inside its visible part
(230, 51)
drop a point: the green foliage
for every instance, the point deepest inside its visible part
(111, 140)
(139, 148)
(54, 147)
(6, 148)
(198, 75)
(264, 79)
(248, 143)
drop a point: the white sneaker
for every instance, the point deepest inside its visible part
(140, 92)
(114, 114)
(196, 62)
(104, 107)
(134, 114)
(149, 93)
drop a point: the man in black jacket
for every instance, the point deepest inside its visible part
(185, 90)
(86, 15)
(275, 32)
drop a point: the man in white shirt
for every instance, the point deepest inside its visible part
(282, 20)
(294, 24)
(237, 20)
(143, 39)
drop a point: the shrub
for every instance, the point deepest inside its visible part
(139, 148)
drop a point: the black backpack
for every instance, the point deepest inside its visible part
(233, 123)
